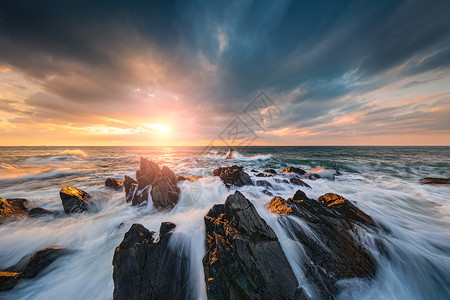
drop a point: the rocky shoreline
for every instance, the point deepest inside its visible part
(244, 258)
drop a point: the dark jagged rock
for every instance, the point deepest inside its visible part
(37, 212)
(8, 280)
(267, 192)
(233, 175)
(264, 183)
(74, 200)
(254, 171)
(262, 175)
(311, 176)
(332, 251)
(164, 192)
(169, 174)
(12, 208)
(147, 172)
(244, 259)
(145, 269)
(30, 266)
(294, 170)
(140, 196)
(432, 180)
(272, 171)
(112, 183)
(130, 187)
(341, 207)
(299, 182)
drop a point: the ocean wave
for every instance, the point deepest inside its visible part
(74, 152)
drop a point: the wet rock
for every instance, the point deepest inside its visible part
(254, 171)
(181, 178)
(30, 266)
(130, 187)
(332, 251)
(165, 193)
(321, 172)
(147, 172)
(272, 171)
(148, 269)
(311, 176)
(112, 183)
(37, 212)
(12, 208)
(267, 192)
(244, 259)
(264, 183)
(169, 174)
(299, 182)
(233, 175)
(74, 200)
(262, 175)
(433, 180)
(141, 196)
(294, 170)
(8, 280)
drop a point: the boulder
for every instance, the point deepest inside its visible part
(74, 200)
(332, 251)
(130, 187)
(262, 175)
(112, 183)
(244, 259)
(149, 269)
(294, 170)
(37, 212)
(299, 182)
(328, 173)
(30, 266)
(181, 178)
(433, 180)
(12, 208)
(169, 174)
(272, 171)
(147, 172)
(8, 280)
(141, 196)
(164, 192)
(233, 176)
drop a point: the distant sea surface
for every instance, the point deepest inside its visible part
(382, 181)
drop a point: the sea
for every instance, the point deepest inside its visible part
(382, 181)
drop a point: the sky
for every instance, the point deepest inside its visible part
(225, 72)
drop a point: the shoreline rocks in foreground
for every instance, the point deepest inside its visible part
(148, 269)
(74, 200)
(13, 208)
(332, 251)
(233, 176)
(244, 259)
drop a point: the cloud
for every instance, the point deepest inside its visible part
(197, 65)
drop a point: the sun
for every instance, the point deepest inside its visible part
(160, 127)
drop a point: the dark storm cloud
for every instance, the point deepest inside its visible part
(220, 53)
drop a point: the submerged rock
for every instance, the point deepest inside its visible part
(294, 170)
(332, 251)
(433, 180)
(112, 183)
(74, 200)
(37, 212)
(233, 175)
(299, 182)
(30, 266)
(244, 259)
(12, 208)
(145, 269)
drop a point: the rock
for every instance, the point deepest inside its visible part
(322, 172)
(267, 192)
(264, 183)
(169, 174)
(8, 280)
(145, 269)
(164, 193)
(30, 266)
(244, 259)
(432, 180)
(12, 208)
(294, 170)
(262, 175)
(74, 200)
(272, 171)
(147, 173)
(332, 251)
(311, 176)
(37, 212)
(112, 183)
(297, 181)
(181, 178)
(41, 260)
(233, 175)
(130, 187)
(343, 208)
(140, 196)
(254, 171)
